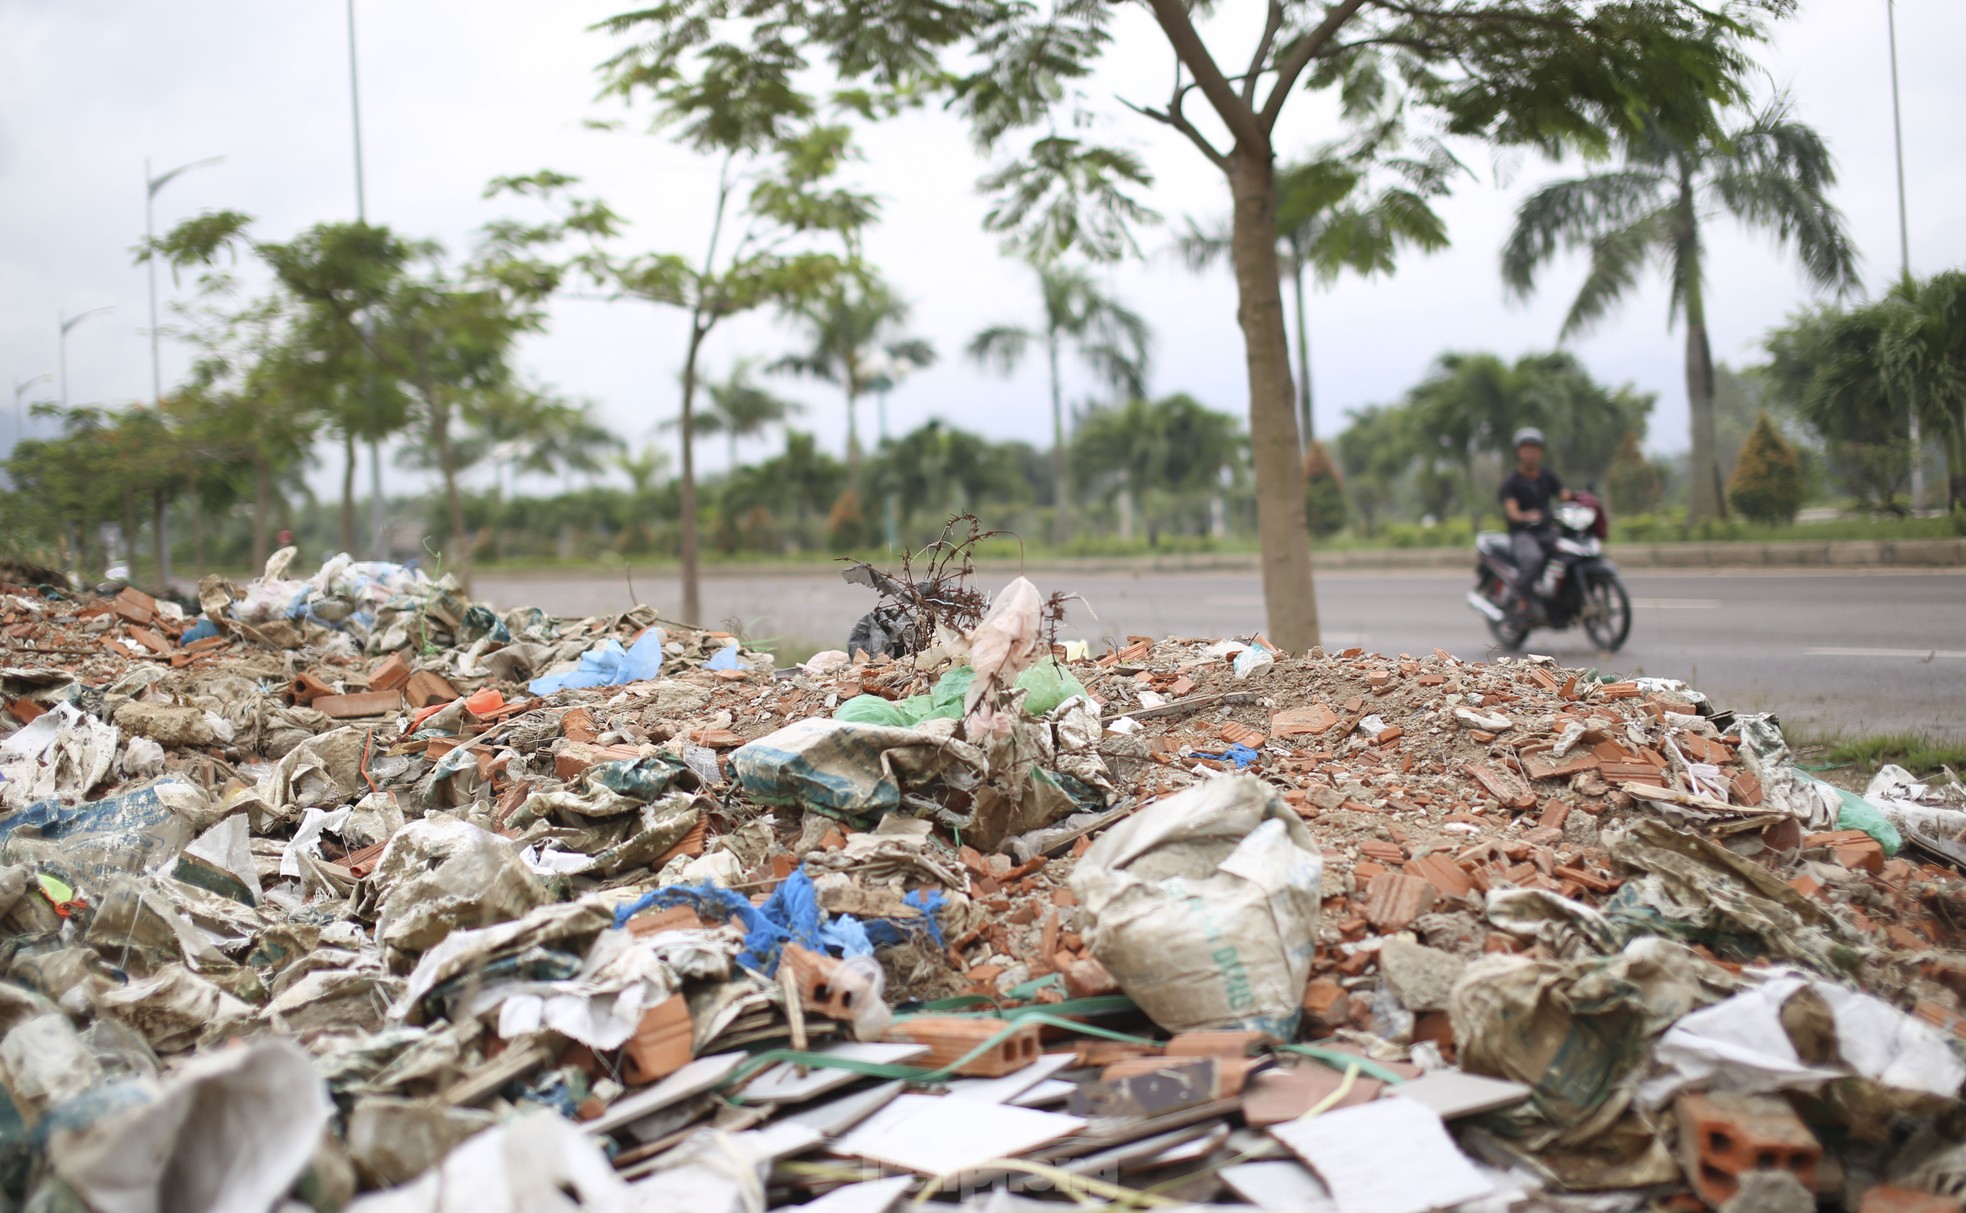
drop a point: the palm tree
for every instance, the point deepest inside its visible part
(644, 468)
(740, 408)
(1172, 450)
(1330, 219)
(1107, 336)
(1773, 173)
(848, 326)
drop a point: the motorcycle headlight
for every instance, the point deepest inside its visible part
(1576, 516)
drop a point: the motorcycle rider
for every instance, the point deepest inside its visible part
(1526, 496)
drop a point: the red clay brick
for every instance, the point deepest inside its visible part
(1884, 1198)
(661, 1044)
(391, 673)
(1722, 1136)
(950, 1037)
(426, 687)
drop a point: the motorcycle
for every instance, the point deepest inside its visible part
(1578, 586)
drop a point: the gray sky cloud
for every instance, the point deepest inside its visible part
(454, 94)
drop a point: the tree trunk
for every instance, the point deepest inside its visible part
(130, 536)
(197, 511)
(1703, 468)
(348, 492)
(1061, 469)
(852, 438)
(459, 546)
(1956, 467)
(262, 506)
(160, 540)
(1304, 416)
(1289, 596)
(692, 611)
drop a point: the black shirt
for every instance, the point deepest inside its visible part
(1531, 494)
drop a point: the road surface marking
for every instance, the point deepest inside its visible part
(1918, 654)
(1678, 604)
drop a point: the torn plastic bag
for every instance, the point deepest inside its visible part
(175, 1010)
(601, 1005)
(1784, 786)
(221, 861)
(322, 771)
(790, 915)
(393, 1140)
(439, 874)
(1007, 642)
(1930, 814)
(1745, 1045)
(1696, 889)
(1203, 906)
(226, 1133)
(89, 844)
(568, 925)
(1576, 1030)
(857, 771)
(60, 755)
(608, 665)
(534, 1163)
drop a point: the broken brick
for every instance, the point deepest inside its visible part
(390, 674)
(1394, 900)
(360, 704)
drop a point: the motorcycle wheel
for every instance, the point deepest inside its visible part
(1607, 613)
(1508, 634)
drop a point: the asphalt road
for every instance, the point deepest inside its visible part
(1831, 653)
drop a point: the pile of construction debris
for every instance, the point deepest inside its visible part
(347, 892)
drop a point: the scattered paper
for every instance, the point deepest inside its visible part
(1452, 1093)
(1278, 1187)
(784, 1084)
(934, 1135)
(1389, 1156)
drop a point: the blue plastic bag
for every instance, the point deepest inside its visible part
(609, 665)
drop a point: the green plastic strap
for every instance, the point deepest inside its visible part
(916, 1074)
(1104, 1004)
(1341, 1059)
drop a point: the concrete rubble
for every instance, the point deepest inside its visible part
(345, 892)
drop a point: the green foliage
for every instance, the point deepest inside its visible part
(1856, 375)
(1772, 173)
(1324, 493)
(846, 525)
(1919, 753)
(1633, 483)
(1767, 481)
(1167, 456)
(856, 337)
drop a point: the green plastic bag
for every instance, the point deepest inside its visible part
(1856, 813)
(1045, 686)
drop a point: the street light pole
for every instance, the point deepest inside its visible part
(20, 392)
(1904, 241)
(68, 322)
(377, 527)
(151, 186)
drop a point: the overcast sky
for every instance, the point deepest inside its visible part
(454, 93)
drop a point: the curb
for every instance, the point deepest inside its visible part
(1851, 553)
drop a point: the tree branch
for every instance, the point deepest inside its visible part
(1232, 109)
(1301, 53)
(1262, 55)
